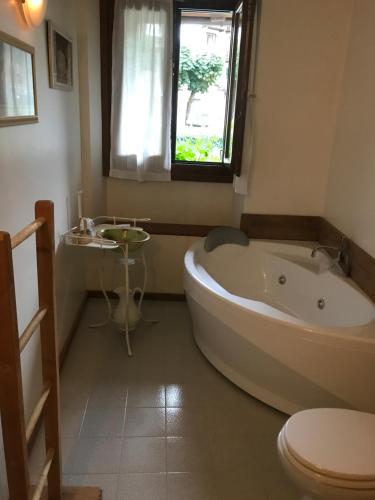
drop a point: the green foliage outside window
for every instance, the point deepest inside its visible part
(199, 149)
(198, 73)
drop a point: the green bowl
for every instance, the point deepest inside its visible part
(135, 238)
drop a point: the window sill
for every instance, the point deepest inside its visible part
(201, 173)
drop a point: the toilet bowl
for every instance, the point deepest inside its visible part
(329, 453)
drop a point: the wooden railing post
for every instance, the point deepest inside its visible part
(11, 397)
(45, 254)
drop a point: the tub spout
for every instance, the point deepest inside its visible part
(323, 247)
(343, 258)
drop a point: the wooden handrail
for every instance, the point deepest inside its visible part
(16, 433)
(45, 255)
(27, 231)
(31, 327)
(44, 475)
(37, 412)
(11, 400)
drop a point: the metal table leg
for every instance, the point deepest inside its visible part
(102, 287)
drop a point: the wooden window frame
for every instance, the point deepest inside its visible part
(243, 78)
(107, 8)
(183, 171)
(187, 170)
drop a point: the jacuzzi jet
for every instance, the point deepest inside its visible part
(321, 303)
(282, 279)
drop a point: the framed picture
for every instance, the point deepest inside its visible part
(18, 102)
(60, 59)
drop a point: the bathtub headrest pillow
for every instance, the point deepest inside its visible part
(225, 234)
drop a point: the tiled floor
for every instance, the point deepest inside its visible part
(163, 425)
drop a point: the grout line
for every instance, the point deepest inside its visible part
(119, 472)
(125, 413)
(83, 417)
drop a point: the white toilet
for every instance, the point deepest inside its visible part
(329, 453)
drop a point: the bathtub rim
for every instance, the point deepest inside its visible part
(204, 280)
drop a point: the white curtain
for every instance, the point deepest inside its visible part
(241, 183)
(141, 90)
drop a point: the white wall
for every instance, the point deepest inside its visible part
(165, 259)
(176, 201)
(42, 161)
(300, 63)
(88, 18)
(300, 59)
(350, 204)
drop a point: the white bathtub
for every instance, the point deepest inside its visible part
(272, 339)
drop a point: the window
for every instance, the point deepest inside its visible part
(211, 39)
(211, 60)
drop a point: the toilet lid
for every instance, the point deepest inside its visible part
(334, 442)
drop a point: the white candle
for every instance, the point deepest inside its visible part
(79, 197)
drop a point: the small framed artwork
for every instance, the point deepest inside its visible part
(18, 101)
(60, 59)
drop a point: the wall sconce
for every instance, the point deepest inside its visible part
(33, 11)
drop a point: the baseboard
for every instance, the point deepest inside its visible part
(73, 329)
(62, 357)
(172, 297)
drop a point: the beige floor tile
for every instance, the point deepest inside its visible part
(233, 453)
(239, 485)
(145, 422)
(107, 482)
(185, 394)
(267, 421)
(74, 396)
(145, 395)
(143, 454)
(103, 423)
(142, 486)
(186, 421)
(147, 367)
(91, 455)
(71, 421)
(233, 421)
(188, 454)
(221, 392)
(190, 486)
(108, 393)
(217, 434)
(277, 484)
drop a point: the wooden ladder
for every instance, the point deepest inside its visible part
(17, 433)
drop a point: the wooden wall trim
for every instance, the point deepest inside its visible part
(201, 173)
(172, 297)
(285, 227)
(173, 229)
(281, 227)
(167, 229)
(363, 264)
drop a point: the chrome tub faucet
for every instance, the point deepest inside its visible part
(343, 258)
